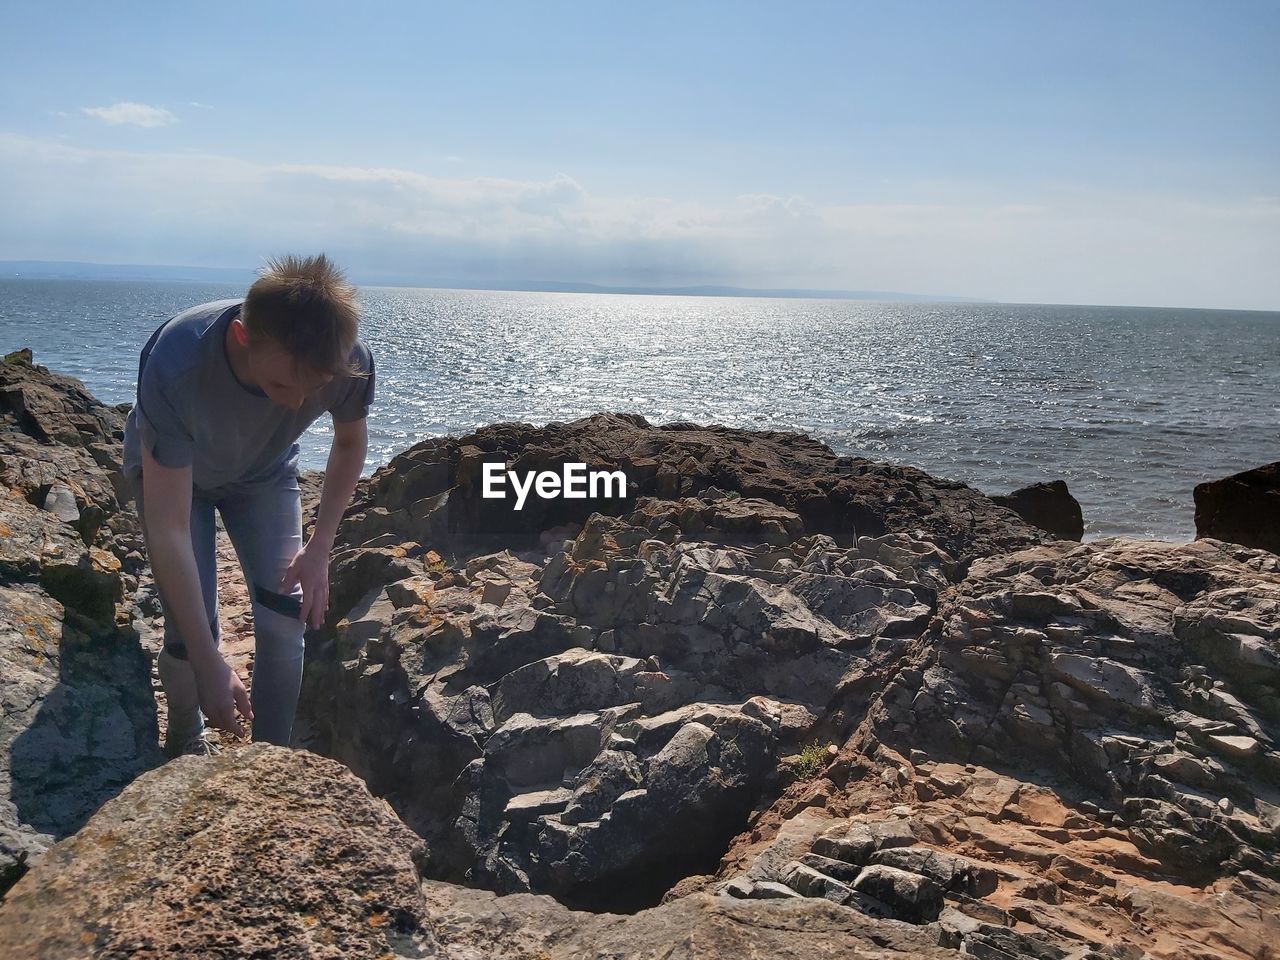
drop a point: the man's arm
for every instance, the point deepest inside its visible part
(166, 496)
(310, 567)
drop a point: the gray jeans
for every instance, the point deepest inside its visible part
(265, 527)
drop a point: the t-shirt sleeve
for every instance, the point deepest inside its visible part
(353, 403)
(160, 426)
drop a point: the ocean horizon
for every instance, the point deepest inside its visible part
(1131, 406)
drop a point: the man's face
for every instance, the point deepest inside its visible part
(282, 379)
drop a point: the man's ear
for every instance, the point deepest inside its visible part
(239, 332)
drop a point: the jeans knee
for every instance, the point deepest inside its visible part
(278, 637)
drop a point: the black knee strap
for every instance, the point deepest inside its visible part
(278, 602)
(178, 650)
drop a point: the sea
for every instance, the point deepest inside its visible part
(1132, 407)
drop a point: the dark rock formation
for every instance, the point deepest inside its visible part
(432, 492)
(1049, 506)
(77, 721)
(613, 706)
(1243, 508)
(617, 707)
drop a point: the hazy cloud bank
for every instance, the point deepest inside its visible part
(1063, 244)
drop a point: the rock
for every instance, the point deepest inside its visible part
(1096, 716)
(77, 719)
(1008, 677)
(701, 636)
(78, 723)
(54, 433)
(912, 897)
(1239, 747)
(950, 872)
(774, 922)
(433, 489)
(278, 851)
(61, 502)
(766, 629)
(1049, 506)
(259, 850)
(1243, 508)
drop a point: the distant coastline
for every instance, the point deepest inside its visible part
(79, 270)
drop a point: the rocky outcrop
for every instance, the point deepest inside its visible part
(770, 703)
(61, 447)
(1078, 757)
(595, 713)
(77, 721)
(1049, 506)
(612, 709)
(1243, 508)
(598, 716)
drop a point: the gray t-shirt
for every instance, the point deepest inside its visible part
(193, 411)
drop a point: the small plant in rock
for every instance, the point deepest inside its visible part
(811, 759)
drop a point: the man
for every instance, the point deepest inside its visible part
(224, 391)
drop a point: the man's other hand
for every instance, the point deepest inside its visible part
(221, 694)
(310, 570)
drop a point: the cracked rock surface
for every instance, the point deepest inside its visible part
(1076, 759)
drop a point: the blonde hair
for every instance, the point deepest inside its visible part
(307, 307)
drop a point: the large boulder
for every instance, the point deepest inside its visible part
(1243, 508)
(261, 851)
(1049, 506)
(594, 709)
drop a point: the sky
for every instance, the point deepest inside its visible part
(1083, 152)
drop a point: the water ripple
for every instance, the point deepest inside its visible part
(1131, 407)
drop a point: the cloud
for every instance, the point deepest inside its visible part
(135, 114)
(1059, 243)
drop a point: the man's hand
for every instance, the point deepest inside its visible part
(310, 569)
(221, 694)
